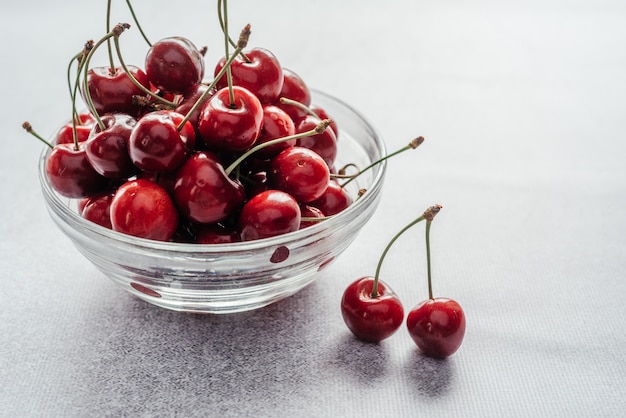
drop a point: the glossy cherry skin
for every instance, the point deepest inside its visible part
(174, 65)
(300, 172)
(114, 91)
(231, 128)
(97, 209)
(107, 149)
(156, 144)
(203, 191)
(371, 319)
(325, 143)
(276, 124)
(308, 211)
(437, 326)
(65, 134)
(70, 172)
(267, 214)
(261, 74)
(144, 209)
(294, 88)
(334, 199)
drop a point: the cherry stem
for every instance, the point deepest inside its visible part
(430, 283)
(428, 214)
(243, 41)
(411, 145)
(319, 128)
(29, 128)
(135, 81)
(132, 12)
(299, 105)
(108, 30)
(225, 30)
(115, 32)
(229, 75)
(73, 87)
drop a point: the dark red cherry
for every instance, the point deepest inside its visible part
(216, 234)
(276, 124)
(113, 91)
(65, 135)
(267, 214)
(334, 199)
(300, 172)
(97, 209)
(231, 127)
(371, 318)
(70, 172)
(437, 326)
(174, 65)
(144, 209)
(203, 191)
(294, 88)
(308, 211)
(261, 73)
(325, 143)
(157, 145)
(107, 149)
(189, 101)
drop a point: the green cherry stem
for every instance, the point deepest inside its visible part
(241, 44)
(108, 29)
(220, 16)
(411, 145)
(135, 81)
(229, 75)
(319, 128)
(132, 12)
(29, 128)
(428, 214)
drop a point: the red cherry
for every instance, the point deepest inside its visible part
(107, 149)
(325, 143)
(308, 211)
(157, 145)
(97, 209)
(322, 114)
(261, 74)
(114, 91)
(189, 101)
(300, 172)
(268, 214)
(226, 127)
(65, 135)
(371, 318)
(144, 209)
(216, 234)
(203, 191)
(70, 172)
(294, 88)
(174, 65)
(437, 326)
(276, 124)
(334, 199)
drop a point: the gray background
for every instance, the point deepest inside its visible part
(522, 106)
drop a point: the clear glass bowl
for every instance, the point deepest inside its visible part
(240, 276)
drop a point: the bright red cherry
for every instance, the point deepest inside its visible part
(203, 191)
(437, 326)
(174, 65)
(334, 199)
(276, 124)
(294, 88)
(226, 126)
(259, 72)
(371, 317)
(300, 172)
(70, 172)
(268, 214)
(144, 209)
(113, 91)
(157, 145)
(97, 209)
(107, 149)
(325, 143)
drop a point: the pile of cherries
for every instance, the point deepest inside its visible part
(164, 154)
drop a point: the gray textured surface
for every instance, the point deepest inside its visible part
(523, 109)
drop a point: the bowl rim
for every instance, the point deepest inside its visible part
(336, 221)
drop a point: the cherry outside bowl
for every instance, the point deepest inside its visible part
(240, 276)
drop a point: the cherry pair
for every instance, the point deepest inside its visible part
(373, 312)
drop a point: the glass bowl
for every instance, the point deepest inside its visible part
(228, 278)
